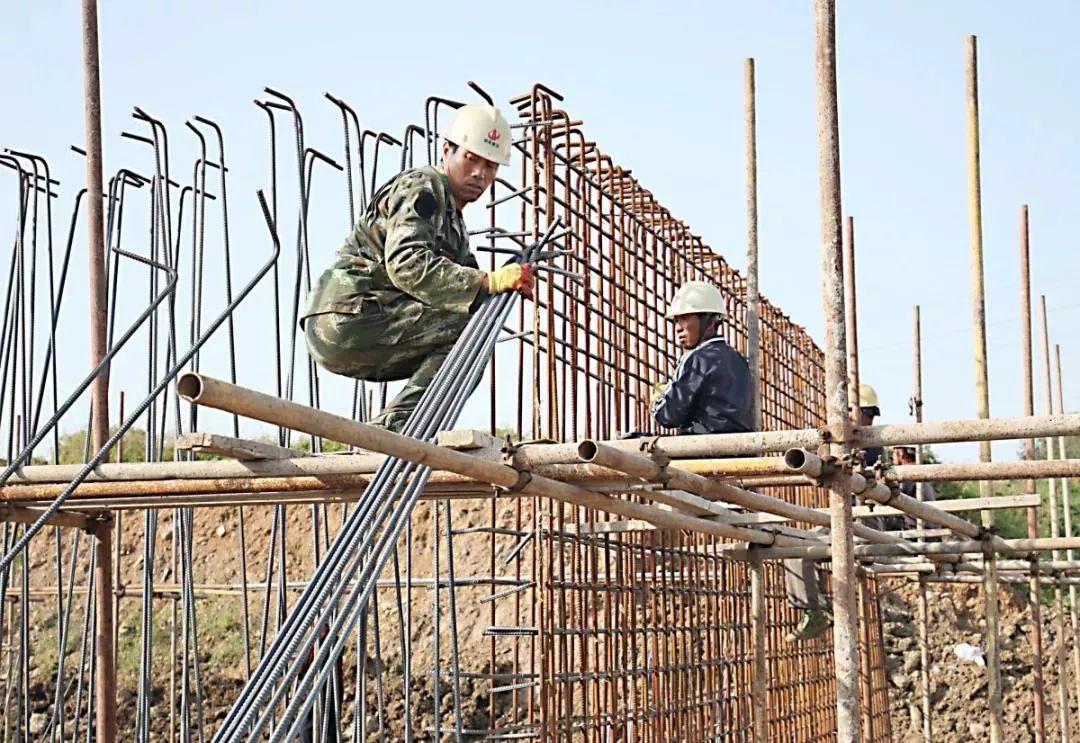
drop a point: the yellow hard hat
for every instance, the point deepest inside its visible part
(867, 396)
(696, 297)
(481, 130)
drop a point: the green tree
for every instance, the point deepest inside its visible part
(131, 448)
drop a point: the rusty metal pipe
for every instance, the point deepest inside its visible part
(1004, 546)
(804, 462)
(1034, 598)
(845, 599)
(215, 393)
(645, 468)
(751, 444)
(105, 668)
(1013, 470)
(753, 297)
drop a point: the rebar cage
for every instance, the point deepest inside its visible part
(508, 617)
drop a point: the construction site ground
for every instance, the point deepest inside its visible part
(959, 696)
(959, 710)
(217, 563)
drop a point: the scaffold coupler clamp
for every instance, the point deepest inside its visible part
(651, 446)
(524, 477)
(103, 520)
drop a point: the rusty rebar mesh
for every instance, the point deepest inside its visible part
(644, 635)
(877, 722)
(562, 634)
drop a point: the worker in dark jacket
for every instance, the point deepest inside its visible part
(710, 390)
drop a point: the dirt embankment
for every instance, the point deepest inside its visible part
(959, 709)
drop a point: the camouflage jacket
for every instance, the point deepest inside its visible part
(709, 393)
(411, 240)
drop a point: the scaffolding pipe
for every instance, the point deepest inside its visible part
(1043, 580)
(761, 442)
(845, 600)
(753, 297)
(1055, 530)
(851, 316)
(916, 405)
(1049, 567)
(1034, 599)
(787, 470)
(759, 687)
(104, 655)
(364, 464)
(650, 470)
(215, 393)
(984, 471)
(1066, 505)
(1010, 546)
(982, 387)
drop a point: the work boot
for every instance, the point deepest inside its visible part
(813, 624)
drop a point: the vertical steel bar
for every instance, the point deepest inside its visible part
(1038, 691)
(845, 627)
(759, 684)
(982, 388)
(851, 314)
(1066, 507)
(924, 627)
(106, 668)
(1055, 529)
(753, 299)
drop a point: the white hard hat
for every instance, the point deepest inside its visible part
(696, 297)
(867, 396)
(481, 130)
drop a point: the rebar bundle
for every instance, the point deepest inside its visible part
(321, 620)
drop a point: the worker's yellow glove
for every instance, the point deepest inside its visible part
(657, 392)
(513, 277)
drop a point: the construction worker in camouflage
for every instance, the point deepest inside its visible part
(403, 286)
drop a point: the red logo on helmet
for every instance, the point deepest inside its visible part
(494, 135)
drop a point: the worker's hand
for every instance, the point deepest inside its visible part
(656, 392)
(513, 277)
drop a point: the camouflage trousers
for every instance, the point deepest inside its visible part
(400, 339)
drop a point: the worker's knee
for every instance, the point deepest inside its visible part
(346, 345)
(335, 341)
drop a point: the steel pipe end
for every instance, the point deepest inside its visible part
(587, 450)
(795, 458)
(803, 462)
(189, 386)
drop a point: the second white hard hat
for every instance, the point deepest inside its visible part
(867, 396)
(481, 130)
(696, 297)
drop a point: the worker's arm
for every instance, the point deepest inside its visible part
(413, 262)
(672, 408)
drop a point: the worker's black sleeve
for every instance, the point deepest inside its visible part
(673, 409)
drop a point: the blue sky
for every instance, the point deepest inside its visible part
(659, 86)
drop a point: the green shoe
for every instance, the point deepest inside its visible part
(813, 624)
